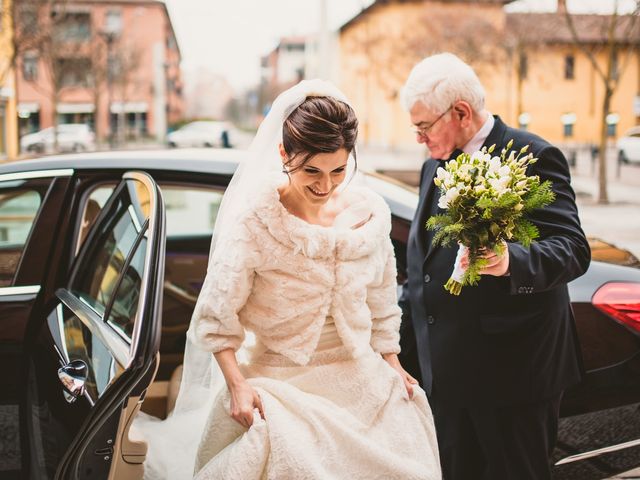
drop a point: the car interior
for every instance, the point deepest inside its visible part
(19, 208)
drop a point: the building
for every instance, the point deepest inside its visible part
(207, 94)
(115, 66)
(281, 68)
(8, 115)
(534, 74)
(558, 93)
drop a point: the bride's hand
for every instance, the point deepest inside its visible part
(409, 381)
(244, 399)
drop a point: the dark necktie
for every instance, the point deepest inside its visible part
(455, 154)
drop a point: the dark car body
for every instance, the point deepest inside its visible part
(101, 260)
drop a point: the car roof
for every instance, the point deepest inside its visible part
(205, 160)
(204, 123)
(633, 131)
(402, 199)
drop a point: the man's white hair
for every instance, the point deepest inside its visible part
(440, 80)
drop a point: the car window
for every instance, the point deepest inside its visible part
(18, 209)
(91, 208)
(125, 304)
(80, 343)
(107, 257)
(190, 210)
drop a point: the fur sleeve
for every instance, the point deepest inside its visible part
(382, 300)
(225, 291)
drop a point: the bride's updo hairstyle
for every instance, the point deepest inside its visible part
(318, 125)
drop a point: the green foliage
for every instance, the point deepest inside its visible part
(486, 200)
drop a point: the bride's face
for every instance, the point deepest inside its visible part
(317, 179)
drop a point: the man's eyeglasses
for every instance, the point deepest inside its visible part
(424, 131)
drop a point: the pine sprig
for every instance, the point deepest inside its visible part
(486, 199)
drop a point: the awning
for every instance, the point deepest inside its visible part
(6, 92)
(75, 107)
(28, 107)
(129, 107)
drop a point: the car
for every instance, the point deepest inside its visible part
(102, 257)
(202, 134)
(628, 146)
(72, 137)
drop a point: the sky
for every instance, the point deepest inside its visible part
(229, 36)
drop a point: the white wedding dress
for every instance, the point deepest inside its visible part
(340, 412)
(321, 304)
(335, 418)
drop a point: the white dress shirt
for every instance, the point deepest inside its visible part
(481, 135)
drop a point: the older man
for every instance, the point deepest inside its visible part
(496, 359)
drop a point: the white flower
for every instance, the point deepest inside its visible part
(499, 184)
(446, 199)
(504, 171)
(477, 155)
(464, 169)
(494, 164)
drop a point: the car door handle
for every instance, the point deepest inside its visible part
(73, 376)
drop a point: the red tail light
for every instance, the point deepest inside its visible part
(620, 301)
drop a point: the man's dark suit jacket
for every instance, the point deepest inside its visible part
(510, 339)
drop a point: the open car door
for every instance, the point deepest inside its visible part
(96, 354)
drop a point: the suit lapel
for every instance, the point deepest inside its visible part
(426, 194)
(496, 135)
(431, 192)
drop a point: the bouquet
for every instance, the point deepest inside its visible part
(486, 199)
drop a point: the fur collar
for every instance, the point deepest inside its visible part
(316, 241)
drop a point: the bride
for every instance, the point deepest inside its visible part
(301, 286)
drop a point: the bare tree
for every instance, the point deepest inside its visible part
(30, 32)
(56, 37)
(126, 63)
(21, 18)
(98, 79)
(520, 44)
(386, 51)
(66, 56)
(620, 38)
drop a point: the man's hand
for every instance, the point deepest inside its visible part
(497, 265)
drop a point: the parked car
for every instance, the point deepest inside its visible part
(102, 257)
(629, 146)
(72, 137)
(202, 134)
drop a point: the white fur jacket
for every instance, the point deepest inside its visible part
(280, 277)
